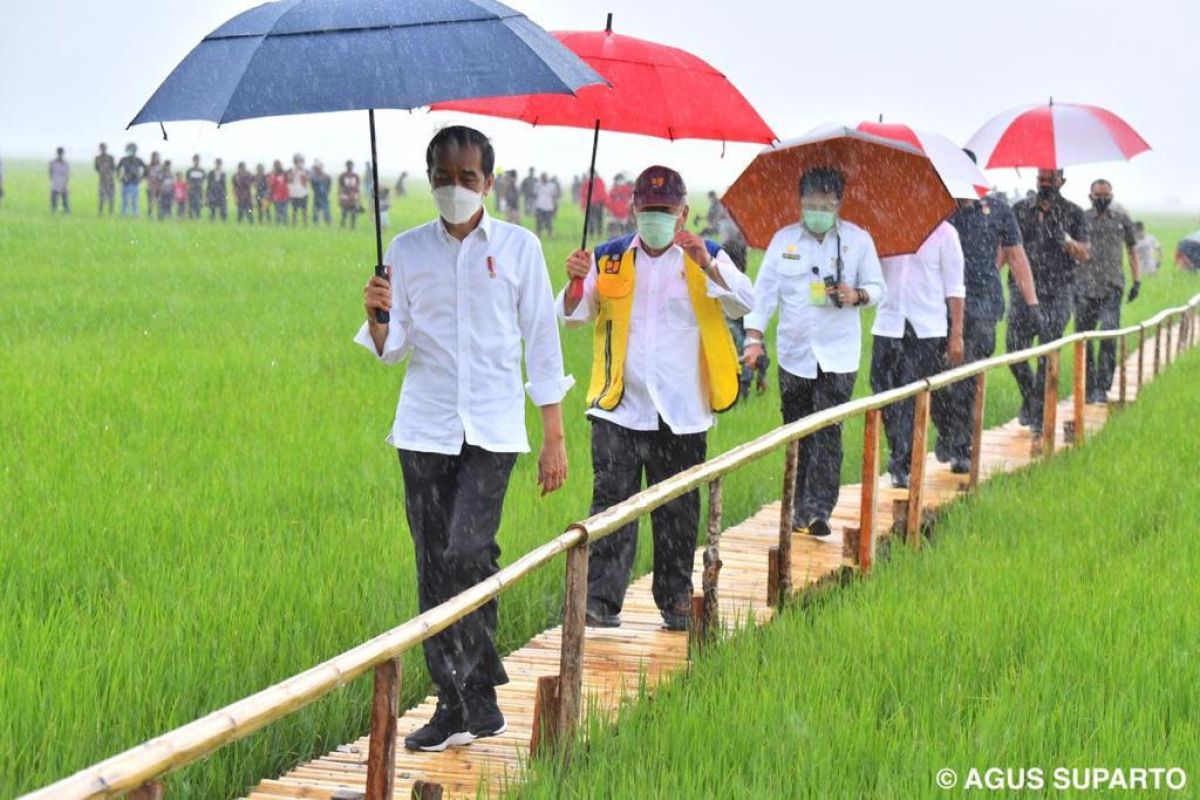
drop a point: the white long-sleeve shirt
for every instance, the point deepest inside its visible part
(919, 284)
(812, 336)
(460, 311)
(662, 362)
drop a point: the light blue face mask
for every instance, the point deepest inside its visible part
(656, 229)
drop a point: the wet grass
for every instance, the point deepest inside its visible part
(196, 498)
(1052, 625)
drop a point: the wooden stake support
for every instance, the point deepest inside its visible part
(869, 499)
(545, 714)
(1157, 349)
(1122, 357)
(773, 598)
(381, 756)
(150, 790)
(697, 627)
(1167, 354)
(916, 472)
(711, 576)
(851, 546)
(977, 412)
(786, 509)
(570, 663)
(899, 516)
(1050, 404)
(1080, 395)
(424, 790)
(1141, 356)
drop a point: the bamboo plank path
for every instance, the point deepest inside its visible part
(617, 661)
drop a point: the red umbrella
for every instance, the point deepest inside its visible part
(656, 90)
(1054, 136)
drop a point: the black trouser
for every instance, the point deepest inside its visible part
(951, 407)
(619, 456)
(453, 506)
(1103, 313)
(819, 469)
(1022, 330)
(897, 362)
(246, 212)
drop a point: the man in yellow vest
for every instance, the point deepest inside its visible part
(663, 363)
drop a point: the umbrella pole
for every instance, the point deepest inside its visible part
(381, 316)
(575, 292)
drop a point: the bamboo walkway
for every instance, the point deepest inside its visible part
(617, 661)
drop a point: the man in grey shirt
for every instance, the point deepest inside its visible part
(106, 169)
(1100, 284)
(60, 178)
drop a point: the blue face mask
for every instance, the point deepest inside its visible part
(656, 229)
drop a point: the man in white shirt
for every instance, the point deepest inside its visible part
(817, 273)
(297, 178)
(465, 292)
(60, 178)
(910, 331)
(1149, 251)
(663, 363)
(544, 203)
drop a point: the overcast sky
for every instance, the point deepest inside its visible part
(74, 72)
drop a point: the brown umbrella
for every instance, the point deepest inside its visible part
(892, 189)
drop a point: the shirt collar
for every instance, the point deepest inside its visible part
(637, 243)
(484, 227)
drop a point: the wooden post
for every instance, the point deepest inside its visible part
(869, 502)
(916, 472)
(1050, 404)
(1157, 349)
(773, 577)
(150, 790)
(424, 790)
(381, 756)
(1167, 352)
(711, 576)
(570, 659)
(977, 411)
(852, 546)
(786, 510)
(1080, 397)
(899, 515)
(1122, 357)
(545, 714)
(1141, 356)
(697, 629)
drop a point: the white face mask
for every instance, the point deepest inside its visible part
(455, 204)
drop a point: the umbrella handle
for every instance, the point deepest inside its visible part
(381, 315)
(575, 290)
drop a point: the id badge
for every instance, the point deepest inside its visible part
(816, 293)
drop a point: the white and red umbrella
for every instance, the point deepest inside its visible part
(960, 174)
(1054, 136)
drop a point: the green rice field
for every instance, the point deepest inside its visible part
(197, 502)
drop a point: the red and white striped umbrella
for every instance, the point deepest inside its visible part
(956, 169)
(1054, 136)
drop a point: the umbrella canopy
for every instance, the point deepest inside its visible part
(960, 174)
(1054, 136)
(656, 90)
(892, 189)
(307, 56)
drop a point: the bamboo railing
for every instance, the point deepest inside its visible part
(136, 771)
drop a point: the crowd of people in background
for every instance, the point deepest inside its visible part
(292, 196)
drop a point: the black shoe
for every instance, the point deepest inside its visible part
(596, 618)
(1024, 417)
(676, 622)
(447, 728)
(960, 466)
(900, 480)
(483, 713)
(819, 528)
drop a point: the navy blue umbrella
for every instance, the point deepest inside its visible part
(308, 56)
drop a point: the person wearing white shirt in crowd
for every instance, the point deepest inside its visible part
(60, 179)
(465, 293)
(663, 363)
(297, 178)
(1149, 251)
(818, 273)
(911, 340)
(544, 203)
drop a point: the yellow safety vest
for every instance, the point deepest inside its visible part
(614, 288)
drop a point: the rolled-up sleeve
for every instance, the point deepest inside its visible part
(738, 299)
(547, 383)
(953, 278)
(766, 292)
(397, 345)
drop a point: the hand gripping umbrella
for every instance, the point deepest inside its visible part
(308, 56)
(654, 89)
(1054, 136)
